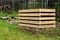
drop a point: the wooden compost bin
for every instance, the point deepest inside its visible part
(37, 18)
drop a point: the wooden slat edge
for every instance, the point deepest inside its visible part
(38, 18)
(47, 26)
(37, 14)
(47, 14)
(38, 10)
(29, 10)
(35, 26)
(47, 10)
(27, 25)
(38, 22)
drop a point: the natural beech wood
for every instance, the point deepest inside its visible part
(47, 22)
(41, 18)
(37, 26)
(46, 18)
(47, 10)
(30, 14)
(28, 25)
(38, 10)
(47, 14)
(38, 14)
(38, 18)
(31, 22)
(29, 10)
(37, 22)
(47, 26)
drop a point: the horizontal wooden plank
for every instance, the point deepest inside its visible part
(38, 14)
(29, 10)
(36, 26)
(48, 22)
(47, 26)
(27, 25)
(37, 22)
(31, 22)
(47, 10)
(32, 14)
(46, 18)
(29, 18)
(47, 14)
(38, 18)
(38, 10)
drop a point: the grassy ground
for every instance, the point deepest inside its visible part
(11, 32)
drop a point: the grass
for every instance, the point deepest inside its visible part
(5, 14)
(11, 32)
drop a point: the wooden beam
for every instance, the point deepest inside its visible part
(47, 14)
(38, 14)
(28, 25)
(37, 26)
(37, 22)
(38, 10)
(29, 14)
(38, 18)
(47, 26)
(47, 10)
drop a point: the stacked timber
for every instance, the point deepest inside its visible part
(37, 18)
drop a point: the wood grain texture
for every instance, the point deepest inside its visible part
(47, 14)
(47, 10)
(27, 25)
(30, 14)
(37, 26)
(38, 18)
(38, 10)
(37, 14)
(27, 16)
(37, 22)
(47, 26)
